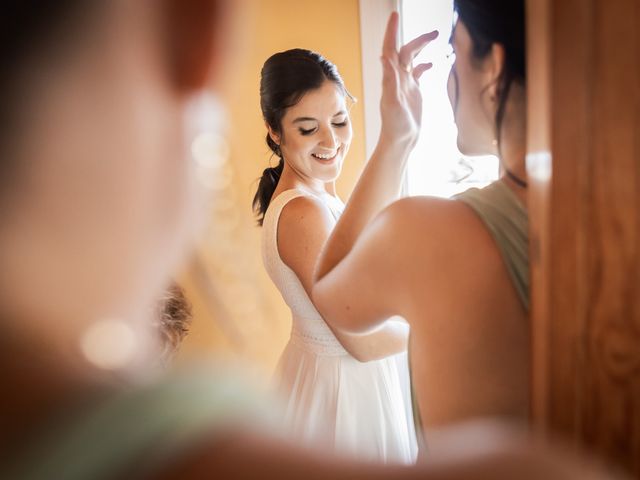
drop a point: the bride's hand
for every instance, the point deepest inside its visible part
(401, 103)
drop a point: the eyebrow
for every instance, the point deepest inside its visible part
(311, 119)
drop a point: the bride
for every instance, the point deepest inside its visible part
(349, 389)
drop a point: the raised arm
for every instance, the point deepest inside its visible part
(401, 112)
(379, 186)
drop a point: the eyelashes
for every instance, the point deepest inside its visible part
(312, 130)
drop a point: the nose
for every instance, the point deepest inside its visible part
(328, 138)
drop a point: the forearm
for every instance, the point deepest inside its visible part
(380, 184)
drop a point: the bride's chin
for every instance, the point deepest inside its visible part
(330, 176)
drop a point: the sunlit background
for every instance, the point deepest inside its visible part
(436, 167)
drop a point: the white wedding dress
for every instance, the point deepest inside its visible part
(360, 409)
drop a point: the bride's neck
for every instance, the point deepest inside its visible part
(291, 179)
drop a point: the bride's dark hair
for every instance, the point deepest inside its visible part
(285, 78)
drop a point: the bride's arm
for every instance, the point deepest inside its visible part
(304, 226)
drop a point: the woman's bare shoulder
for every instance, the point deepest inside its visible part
(432, 220)
(434, 239)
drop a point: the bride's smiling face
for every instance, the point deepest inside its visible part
(316, 133)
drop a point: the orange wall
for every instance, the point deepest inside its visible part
(256, 317)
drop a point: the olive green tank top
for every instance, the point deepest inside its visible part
(132, 433)
(506, 218)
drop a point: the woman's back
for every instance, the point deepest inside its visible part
(470, 334)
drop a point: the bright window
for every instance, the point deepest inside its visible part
(436, 167)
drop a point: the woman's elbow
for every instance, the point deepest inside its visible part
(337, 316)
(322, 301)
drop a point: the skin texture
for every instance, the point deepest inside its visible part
(437, 266)
(103, 217)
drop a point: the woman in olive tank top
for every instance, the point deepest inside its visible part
(456, 269)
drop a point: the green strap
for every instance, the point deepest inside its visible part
(506, 219)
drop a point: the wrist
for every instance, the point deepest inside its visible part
(395, 147)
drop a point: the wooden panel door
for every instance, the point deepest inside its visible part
(584, 168)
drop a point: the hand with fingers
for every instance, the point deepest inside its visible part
(401, 103)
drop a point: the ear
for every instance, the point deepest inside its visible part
(194, 32)
(494, 65)
(274, 136)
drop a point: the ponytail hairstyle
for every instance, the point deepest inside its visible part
(285, 78)
(503, 22)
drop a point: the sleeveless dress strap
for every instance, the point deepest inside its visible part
(506, 219)
(138, 429)
(278, 203)
(272, 216)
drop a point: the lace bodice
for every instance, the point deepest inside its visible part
(309, 329)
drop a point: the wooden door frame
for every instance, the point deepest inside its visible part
(583, 164)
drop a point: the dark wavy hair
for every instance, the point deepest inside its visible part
(285, 78)
(502, 22)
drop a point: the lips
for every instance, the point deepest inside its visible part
(325, 157)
